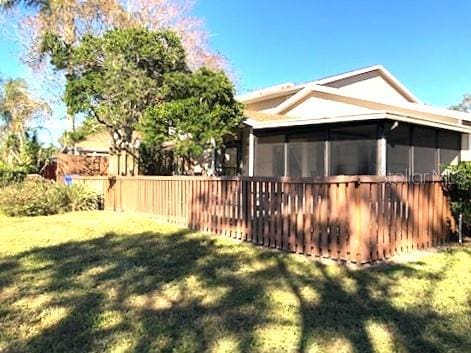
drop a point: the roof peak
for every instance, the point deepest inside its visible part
(353, 72)
(285, 88)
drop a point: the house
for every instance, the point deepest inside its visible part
(363, 122)
(98, 146)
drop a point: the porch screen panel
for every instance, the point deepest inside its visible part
(398, 148)
(231, 161)
(449, 144)
(353, 150)
(425, 151)
(270, 156)
(306, 155)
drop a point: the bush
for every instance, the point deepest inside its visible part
(38, 197)
(459, 188)
(76, 197)
(9, 175)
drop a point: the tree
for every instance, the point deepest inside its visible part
(117, 76)
(197, 112)
(70, 20)
(465, 105)
(18, 110)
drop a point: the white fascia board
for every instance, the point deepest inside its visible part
(347, 74)
(423, 122)
(256, 125)
(298, 97)
(267, 93)
(313, 121)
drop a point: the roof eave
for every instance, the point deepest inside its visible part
(267, 93)
(380, 115)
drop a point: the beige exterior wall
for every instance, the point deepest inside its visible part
(267, 105)
(370, 85)
(319, 107)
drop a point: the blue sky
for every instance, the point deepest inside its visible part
(426, 44)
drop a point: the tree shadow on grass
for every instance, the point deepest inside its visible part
(186, 292)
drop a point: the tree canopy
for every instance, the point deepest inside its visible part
(464, 105)
(37, 21)
(197, 112)
(116, 77)
(129, 78)
(71, 20)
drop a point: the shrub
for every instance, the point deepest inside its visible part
(76, 197)
(459, 188)
(9, 175)
(36, 197)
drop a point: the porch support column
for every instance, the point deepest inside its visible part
(381, 158)
(251, 153)
(465, 154)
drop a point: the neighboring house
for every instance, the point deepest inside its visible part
(97, 144)
(363, 122)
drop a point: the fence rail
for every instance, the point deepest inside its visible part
(359, 219)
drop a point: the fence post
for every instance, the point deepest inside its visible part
(357, 254)
(110, 194)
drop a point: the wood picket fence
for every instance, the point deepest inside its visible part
(351, 218)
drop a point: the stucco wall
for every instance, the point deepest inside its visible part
(319, 107)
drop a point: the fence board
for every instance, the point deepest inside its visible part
(324, 224)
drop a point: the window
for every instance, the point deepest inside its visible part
(449, 144)
(270, 156)
(425, 156)
(353, 150)
(306, 155)
(398, 148)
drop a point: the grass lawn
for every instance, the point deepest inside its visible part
(104, 282)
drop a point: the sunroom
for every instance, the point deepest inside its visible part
(385, 147)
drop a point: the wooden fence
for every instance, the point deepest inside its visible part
(68, 164)
(359, 219)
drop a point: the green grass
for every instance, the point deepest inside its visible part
(104, 282)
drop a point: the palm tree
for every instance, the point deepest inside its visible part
(18, 109)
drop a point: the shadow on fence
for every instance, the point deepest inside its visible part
(357, 219)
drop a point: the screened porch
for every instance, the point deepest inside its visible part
(368, 148)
